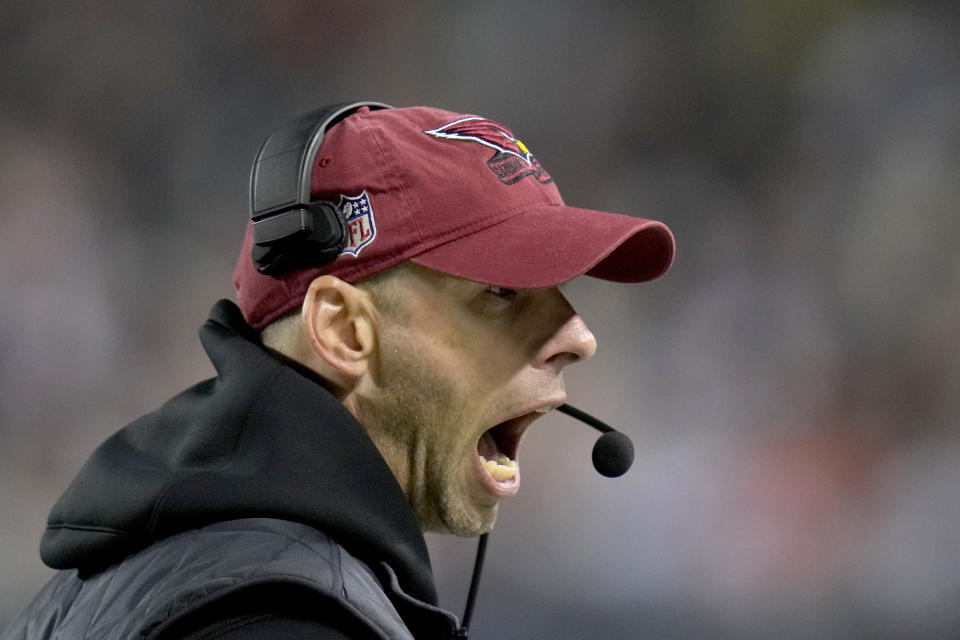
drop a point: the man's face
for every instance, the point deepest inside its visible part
(463, 370)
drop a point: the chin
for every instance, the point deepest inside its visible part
(460, 521)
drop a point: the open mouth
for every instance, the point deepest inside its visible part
(497, 453)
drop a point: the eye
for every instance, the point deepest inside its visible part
(502, 292)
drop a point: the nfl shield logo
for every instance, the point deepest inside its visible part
(361, 229)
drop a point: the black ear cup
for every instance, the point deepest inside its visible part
(314, 234)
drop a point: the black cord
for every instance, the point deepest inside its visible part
(474, 585)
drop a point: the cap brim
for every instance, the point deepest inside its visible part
(553, 244)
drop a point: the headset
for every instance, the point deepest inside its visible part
(289, 230)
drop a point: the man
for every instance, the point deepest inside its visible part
(357, 402)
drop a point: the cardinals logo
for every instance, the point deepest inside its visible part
(511, 160)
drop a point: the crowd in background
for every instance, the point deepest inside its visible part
(792, 385)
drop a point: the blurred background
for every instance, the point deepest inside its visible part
(792, 385)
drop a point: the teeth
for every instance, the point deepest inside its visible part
(503, 468)
(503, 473)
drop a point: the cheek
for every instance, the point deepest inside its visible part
(488, 361)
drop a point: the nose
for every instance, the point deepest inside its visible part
(571, 342)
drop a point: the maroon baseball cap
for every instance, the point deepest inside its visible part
(458, 194)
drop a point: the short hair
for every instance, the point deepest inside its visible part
(282, 335)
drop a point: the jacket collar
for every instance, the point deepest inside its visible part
(261, 439)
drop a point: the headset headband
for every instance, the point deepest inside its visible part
(290, 231)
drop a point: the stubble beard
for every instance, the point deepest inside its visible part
(406, 423)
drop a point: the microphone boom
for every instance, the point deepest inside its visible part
(613, 451)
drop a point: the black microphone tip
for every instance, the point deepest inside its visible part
(613, 454)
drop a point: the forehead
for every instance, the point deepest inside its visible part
(414, 289)
(412, 282)
(408, 280)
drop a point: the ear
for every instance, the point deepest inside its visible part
(339, 324)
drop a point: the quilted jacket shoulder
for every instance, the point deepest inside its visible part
(149, 590)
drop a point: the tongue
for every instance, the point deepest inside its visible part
(486, 446)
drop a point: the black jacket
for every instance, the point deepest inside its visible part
(262, 439)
